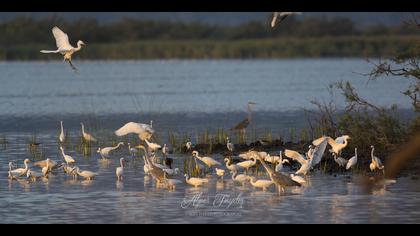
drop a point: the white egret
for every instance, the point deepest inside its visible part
(157, 173)
(282, 16)
(62, 137)
(280, 162)
(247, 164)
(46, 169)
(305, 163)
(297, 178)
(171, 171)
(119, 171)
(52, 164)
(165, 150)
(352, 161)
(86, 136)
(63, 46)
(88, 175)
(376, 162)
(229, 145)
(231, 167)
(33, 175)
(106, 151)
(339, 160)
(68, 159)
(261, 183)
(171, 183)
(152, 146)
(220, 172)
(144, 131)
(241, 178)
(133, 151)
(11, 175)
(194, 181)
(316, 153)
(20, 171)
(336, 145)
(210, 162)
(188, 145)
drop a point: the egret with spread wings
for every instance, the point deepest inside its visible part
(63, 46)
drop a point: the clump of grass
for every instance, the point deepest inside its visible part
(291, 133)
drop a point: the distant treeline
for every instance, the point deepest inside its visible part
(22, 38)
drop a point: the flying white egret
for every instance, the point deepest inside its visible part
(68, 159)
(88, 175)
(86, 136)
(316, 153)
(144, 131)
(106, 151)
(352, 161)
(119, 171)
(261, 183)
(336, 145)
(195, 181)
(231, 167)
(229, 145)
(63, 46)
(305, 163)
(339, 160)
(210, 162)
(152, 146)
(20, 171)
(62, 137)
(282, 16)
(376, 162)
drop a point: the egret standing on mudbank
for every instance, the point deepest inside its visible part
(63, 46)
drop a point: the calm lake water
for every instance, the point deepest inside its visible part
(181, 96)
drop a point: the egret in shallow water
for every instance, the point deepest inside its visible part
(68, 159)
(210, 162)
(241, 178)
(220, 172)
(247, 164)
(376, 162)
(133, 151)
(119, 171)
(144, 131)
(261, 183)
(19, 171)
(232, 167)
(229, 145)
(352, 161)
(63, 46)
(195, 181)
(152, 146)
(88, 175)
(62, 137)
(339, 160)
(86, 136)
(106, 151)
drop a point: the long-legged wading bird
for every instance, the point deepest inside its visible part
(232, 167)
(144, 131)
(88, 175)
(279, 179)
(62, 137)
(63, 46)
(19, 171)
(282, 15)
(68, 159)
(210, 162)
(241, 126)
(339, 160)
(119, 171)
(261, 183)
(352, 161)
(157, 173)
(229, 145)
(195, 181)
(105, 151)
(86, 136)
(376, 162)
(317, 152)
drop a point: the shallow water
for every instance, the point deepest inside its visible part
(182, 97)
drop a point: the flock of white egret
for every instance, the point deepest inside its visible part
(164, 174)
